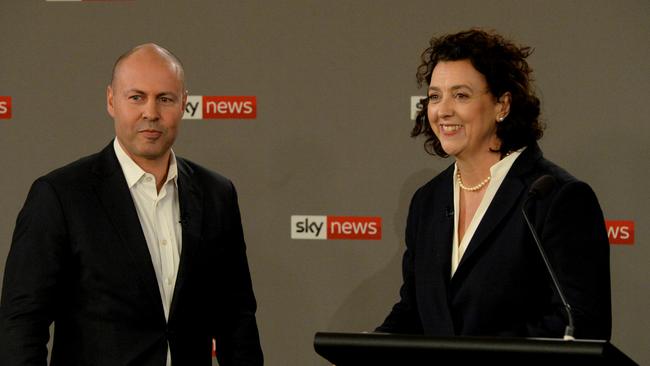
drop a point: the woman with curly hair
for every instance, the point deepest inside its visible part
(471, 266)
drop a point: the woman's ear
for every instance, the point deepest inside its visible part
(503, 106)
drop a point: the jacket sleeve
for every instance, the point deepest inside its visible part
(239, 344)
(404, 317)
(33, 270)
(575, 240)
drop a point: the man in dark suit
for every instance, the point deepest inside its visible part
(135, 254)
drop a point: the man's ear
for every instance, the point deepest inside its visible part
(109, 101)
(184, 104)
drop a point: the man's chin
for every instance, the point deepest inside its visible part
(153, 154)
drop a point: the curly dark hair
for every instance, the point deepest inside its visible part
(504, 66)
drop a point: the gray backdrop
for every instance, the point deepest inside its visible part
(333, 81)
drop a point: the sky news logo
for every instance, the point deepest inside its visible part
(620, 231)
(5, 107)
(335, 227)
(220, 107)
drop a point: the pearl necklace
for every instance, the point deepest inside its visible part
(471, 189)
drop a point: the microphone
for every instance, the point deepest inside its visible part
(539, 189)
(183, 220)
(542, 186)
(449, 211)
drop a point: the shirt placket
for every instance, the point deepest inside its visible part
(165, 242)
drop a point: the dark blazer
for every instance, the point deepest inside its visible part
(501, 287)
(79, 258)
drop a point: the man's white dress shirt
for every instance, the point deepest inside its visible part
(159, 215)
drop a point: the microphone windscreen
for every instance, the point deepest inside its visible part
(542, 186)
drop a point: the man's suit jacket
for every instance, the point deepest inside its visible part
(501, 287)
(79, 258)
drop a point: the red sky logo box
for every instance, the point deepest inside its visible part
(220, 107)
(335, 227)
(5, 107)
(620, 231)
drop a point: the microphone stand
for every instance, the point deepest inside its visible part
(568, 331)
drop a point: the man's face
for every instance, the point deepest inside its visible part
(146, 100)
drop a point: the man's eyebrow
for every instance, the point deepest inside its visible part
(138, 91)
(167, 93)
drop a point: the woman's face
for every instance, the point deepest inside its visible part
(462, 112)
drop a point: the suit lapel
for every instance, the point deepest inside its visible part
(190, 197)
(438, 230)
(505, 200)
(116, 200)
(443, 227)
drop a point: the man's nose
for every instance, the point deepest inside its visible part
(150, 111)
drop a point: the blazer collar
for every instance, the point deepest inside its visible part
(443, 229)
(512, 188)
(115, 197)
(439, 229)
(190, 196)
(114, 194)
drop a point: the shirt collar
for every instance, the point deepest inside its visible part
(501, 168)
(132, 171)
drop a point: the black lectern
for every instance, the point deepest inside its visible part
(353, 349)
